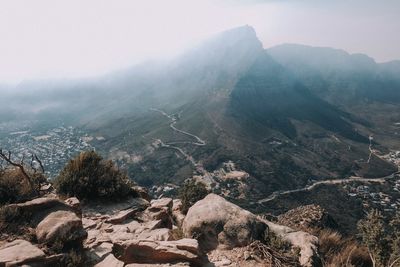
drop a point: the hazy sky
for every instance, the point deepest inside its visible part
(72, 38)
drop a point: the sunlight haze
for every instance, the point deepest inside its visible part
(64, 39)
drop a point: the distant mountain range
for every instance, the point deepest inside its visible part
(285, 115)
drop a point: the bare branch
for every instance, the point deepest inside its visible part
(396, 260)
(40, 162)
(18, 165)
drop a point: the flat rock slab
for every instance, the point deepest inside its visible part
(102, 207)
(100, 252)
(162, 202)
(19, 252)
(40, 204)
(60, 226)
(162, 234)
(122, 216)
(150, 251)
(88, 223)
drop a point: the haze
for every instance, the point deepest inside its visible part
(66, 39)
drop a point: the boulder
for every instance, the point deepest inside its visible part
(214, 222)
(163, 215)
(75, 204)
(161, 203)
(46, 188)
(150, 251)
(122, 216)
(19, 252)
(177, 214)
(62, 226)
(40, 207)
(110, 261)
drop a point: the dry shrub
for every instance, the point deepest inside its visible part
(89, 177)
(339, 251)
(191, 192)
(15, 188)
(277, 243)
(274, 257)
(16, 223)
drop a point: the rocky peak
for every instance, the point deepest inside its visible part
(136, 232)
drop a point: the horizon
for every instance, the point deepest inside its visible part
(73, 40)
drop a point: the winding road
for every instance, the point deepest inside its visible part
(274, 195)
(171, 145)
(199, 141)
(180, 150)
(331, 181)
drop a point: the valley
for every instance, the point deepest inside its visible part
(54, 146)
(268, 129)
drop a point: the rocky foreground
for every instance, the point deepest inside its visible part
(144, 232)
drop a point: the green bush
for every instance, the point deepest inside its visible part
(89, 177)
(190, 193)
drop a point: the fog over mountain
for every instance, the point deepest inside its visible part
(288, 91)
(72, 39)
(200, 133)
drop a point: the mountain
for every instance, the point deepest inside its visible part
(338, 76)
(251, 108)
(353, 82)
(271, 94)
(282, 117)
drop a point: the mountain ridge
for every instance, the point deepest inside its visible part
(281, 125)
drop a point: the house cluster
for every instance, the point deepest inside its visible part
(54, 147)
(394, 157)
(372, 198)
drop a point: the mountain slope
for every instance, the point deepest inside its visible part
(284, 116)
(269, 93)
(250, 110)
(338, 76)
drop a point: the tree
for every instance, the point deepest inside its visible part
(190, 193)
